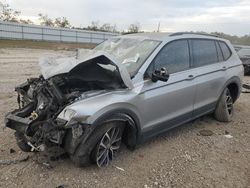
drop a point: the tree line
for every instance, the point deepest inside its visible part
(8, 14)
(234, 39)
(11, 15)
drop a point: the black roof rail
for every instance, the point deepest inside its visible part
(183, 33)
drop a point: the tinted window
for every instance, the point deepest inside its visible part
(225, 50)
(220, 55)
(174, 56)
(204, 52)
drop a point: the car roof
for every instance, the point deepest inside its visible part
(162, 36)
(154, 35)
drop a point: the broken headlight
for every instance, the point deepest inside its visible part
(67, 114)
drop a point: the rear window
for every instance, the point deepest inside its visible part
(225, 50)
(204, 52)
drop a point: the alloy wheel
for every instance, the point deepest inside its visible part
(229, 103)
(108, 146)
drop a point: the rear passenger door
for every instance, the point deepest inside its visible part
(210, 76)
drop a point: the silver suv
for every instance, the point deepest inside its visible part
(127, 89)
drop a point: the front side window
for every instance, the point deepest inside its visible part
(204, 52)
(174, 57)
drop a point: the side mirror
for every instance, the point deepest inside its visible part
(161, 75)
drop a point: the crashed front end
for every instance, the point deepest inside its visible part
(42, 100)
(35, 121)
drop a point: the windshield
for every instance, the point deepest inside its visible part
(132, 52)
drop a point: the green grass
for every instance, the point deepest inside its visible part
(5, 43)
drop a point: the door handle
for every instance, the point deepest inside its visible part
(190, 77)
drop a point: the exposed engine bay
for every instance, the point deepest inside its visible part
(41, 100)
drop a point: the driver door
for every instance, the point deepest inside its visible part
(168, 104)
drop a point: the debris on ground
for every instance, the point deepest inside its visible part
(60, 186)
(206, 132)
(47, 165)
(14, 161)
(12, 150)
(119, 168)
(228, 136)
(245, 88)
(41, 160)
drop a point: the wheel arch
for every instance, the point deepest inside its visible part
(234, 86)
(233, 82)
(132, 130)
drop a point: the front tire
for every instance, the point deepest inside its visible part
(22, 142)
(107, 147)
(100, 147)
(225, 110)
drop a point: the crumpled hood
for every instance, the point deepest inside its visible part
(51, 66)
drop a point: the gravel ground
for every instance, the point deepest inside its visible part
(179, 158)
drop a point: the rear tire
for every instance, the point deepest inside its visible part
(224, 111)
(87, 152)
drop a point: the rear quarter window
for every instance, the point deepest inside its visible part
(220, 55)
(225, 50)
(204, 52)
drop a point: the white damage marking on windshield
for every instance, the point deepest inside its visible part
(132, 52)
(132, 59)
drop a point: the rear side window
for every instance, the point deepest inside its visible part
(225, 50)
(174, 57)
(220, 55)
(204, 52)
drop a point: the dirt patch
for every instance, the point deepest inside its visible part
(179, 158)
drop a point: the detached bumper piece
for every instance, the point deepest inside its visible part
(18, 123)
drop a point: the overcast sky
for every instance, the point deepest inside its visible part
(229, 16)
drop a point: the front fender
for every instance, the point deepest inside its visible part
(120, 107)
(90, 109)
(132, 128)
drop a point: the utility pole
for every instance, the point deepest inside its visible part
(159, 25)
